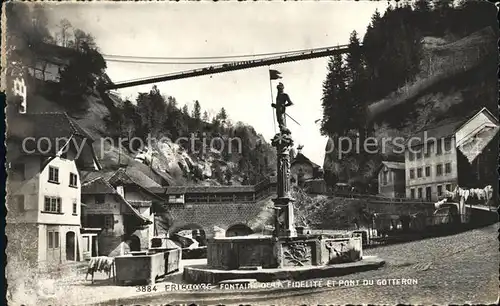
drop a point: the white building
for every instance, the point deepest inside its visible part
(46, 152)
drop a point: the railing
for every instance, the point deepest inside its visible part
(258, 192)
(377, 198)
(140, 203)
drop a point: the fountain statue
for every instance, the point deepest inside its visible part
(266, 258)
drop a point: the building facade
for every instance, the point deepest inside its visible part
(120, 205)
(391, 179)
(437, 160)
(43, 188)
(303, 169)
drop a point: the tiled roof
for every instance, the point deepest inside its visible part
(442, 130)
(130, 175)
(88, 176)
(48, 133)
(55, 54)
(50, 125)
(394, 165)
(98, 186)
(301, 158)
(446, 128)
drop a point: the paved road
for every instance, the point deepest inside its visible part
(457, 269)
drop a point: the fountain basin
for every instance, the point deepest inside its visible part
(204, 274)
(267, 252)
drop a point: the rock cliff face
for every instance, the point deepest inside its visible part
(456, 79)
(161, 157)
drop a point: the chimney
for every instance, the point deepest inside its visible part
(299, 149)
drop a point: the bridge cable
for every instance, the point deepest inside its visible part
(222, 56)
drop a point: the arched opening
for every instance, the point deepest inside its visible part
(134, 243)
(70, 246)
(238, 230)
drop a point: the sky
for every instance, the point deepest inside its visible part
(201, 29)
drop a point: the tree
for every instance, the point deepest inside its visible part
(336, 111)
(197, 110)
(82, 74)
(152, 110)
(422, 6)
(185, 110)
(205, 116)
(81, 38)
(64, 32)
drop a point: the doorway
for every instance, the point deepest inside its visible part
(70, 246)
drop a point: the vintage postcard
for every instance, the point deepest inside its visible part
(256, 153)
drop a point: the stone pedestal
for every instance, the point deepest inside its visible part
(284, 221)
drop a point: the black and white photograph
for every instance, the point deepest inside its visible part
(251, 152)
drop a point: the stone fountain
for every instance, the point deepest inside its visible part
(285, 254)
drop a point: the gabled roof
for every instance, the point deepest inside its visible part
(97, 186)
(50, 125)
(394, 165)
(446, 129)
(131, 176)
(47, 133)
(301, 158)
(100, 186)
(442, 130)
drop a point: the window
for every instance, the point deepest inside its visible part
(447, 168)
(448, 187)
(427, 149)
(108, 222)
(52, 204)
(74, 208)
(420, 193)
(439, 147)
(428, 193)
(439, 170)
(412, 173)
(427, 171)
(384, 178)
(53, 174)
(73, 180)
(447, 146)
(53, 239)
(412, 193)
(419, 172)
(411, 155)
(100, 198)
(419, 154)
(440, 190)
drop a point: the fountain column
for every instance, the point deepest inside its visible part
(283, 203)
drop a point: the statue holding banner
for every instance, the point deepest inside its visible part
(282, 102)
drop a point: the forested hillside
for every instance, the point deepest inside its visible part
(419, 63)
(120, 127)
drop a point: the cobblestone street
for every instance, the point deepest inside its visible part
(456, 269)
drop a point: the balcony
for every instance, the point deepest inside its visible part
(140, 203)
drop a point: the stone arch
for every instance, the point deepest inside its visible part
(239, 229)
(70, 246)
(134, 243)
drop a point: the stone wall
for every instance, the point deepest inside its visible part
(213, 216)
